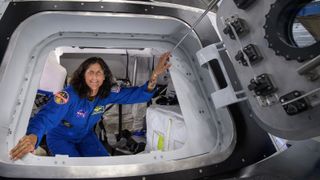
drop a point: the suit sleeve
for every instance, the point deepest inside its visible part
(50, 115)
(131, 95)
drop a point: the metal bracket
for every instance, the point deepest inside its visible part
(221, 97)
(312, 97)
(309, 69)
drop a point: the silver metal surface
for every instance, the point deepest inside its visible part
(221, 97)
(273, 118)
(211, 137)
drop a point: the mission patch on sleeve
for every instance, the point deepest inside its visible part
(61, 97)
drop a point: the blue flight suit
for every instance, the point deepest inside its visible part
(68, 120)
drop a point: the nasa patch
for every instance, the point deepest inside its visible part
(81, 113)
(61, 97)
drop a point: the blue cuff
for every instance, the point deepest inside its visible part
(39, 137)
(145, 89)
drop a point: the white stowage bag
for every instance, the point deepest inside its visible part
(166, 129)
(53, 75)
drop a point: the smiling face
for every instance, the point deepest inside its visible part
(94, 77)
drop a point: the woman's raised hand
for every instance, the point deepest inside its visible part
(161, 67)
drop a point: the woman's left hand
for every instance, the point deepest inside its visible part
(163, 64)
(161, 67)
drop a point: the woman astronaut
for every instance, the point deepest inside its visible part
(68, 118)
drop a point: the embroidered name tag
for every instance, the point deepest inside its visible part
(61, 97)
(98, 110)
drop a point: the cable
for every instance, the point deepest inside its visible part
(211, 5)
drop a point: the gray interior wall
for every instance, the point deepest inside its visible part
(71, 61)
(116, 62)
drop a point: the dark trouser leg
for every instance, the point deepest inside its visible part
(90, 146)
(63, 147)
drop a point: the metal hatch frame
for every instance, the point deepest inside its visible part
(170, 166)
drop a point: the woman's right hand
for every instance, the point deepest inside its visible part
(25, 145)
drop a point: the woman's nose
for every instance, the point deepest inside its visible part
(94, 76)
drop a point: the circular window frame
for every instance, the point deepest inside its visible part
(278, 31)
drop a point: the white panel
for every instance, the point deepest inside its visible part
(53, 75)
